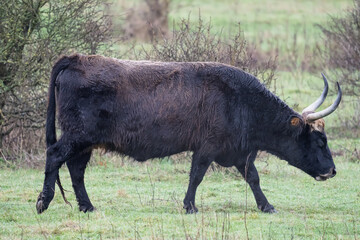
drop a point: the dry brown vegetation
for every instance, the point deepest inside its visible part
(32, 36)
(342, 48)
(194, 41)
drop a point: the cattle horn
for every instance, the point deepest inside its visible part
(317, 115)
(320, 100)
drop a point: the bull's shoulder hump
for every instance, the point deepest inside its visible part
(233, 77)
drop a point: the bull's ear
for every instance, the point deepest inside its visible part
(296, 125)
(295, 121)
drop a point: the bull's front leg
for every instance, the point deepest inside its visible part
(252, 178)
(199, 166)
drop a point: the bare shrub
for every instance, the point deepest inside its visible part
(342, 48)
(147, 21)
(296, 52)
(190, 42)
(341, 53)
(301, 57)
(32, 35)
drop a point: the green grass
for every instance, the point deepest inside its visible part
(144, 201)
(261, 14)
(261, 20)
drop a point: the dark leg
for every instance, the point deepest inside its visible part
(56, 155)
(199, 166)
(252, 178)
(76, 166)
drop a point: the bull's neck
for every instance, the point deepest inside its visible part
(271, 122)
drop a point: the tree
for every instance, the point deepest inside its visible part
(33, 33)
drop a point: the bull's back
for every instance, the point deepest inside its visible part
(144, 110)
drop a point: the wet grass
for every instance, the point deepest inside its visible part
(144, 201)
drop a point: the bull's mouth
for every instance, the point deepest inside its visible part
(323, 177)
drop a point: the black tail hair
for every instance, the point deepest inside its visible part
(59, 66)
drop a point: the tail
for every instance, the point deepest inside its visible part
(59, 66)
(62, 190)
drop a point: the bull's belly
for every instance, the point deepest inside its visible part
(143, 153)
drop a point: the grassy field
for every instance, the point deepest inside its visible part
(256, 16)
(262, 21)
(144, 201)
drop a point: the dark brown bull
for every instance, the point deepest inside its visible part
(152, 110)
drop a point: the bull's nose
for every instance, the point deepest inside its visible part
(333, 172)
(330, 174)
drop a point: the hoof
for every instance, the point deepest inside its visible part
(40, 205)
(86, 208)
(191, 209)
(268, 208)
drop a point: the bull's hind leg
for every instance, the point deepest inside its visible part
(252, 178)
(56, 155)
(76, 166)
(199, 166)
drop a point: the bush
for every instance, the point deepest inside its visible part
(32, 35)
(190, 42)
(342, 48)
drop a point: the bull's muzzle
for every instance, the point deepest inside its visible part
(330, 174)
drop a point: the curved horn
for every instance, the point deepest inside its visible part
(314, 116)
(320, 100)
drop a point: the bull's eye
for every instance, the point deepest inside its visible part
(320, 143)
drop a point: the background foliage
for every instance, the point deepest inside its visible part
(341, 36)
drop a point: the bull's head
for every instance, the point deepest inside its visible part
(309, 150)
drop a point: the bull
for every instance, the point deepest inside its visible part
(150, 110)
